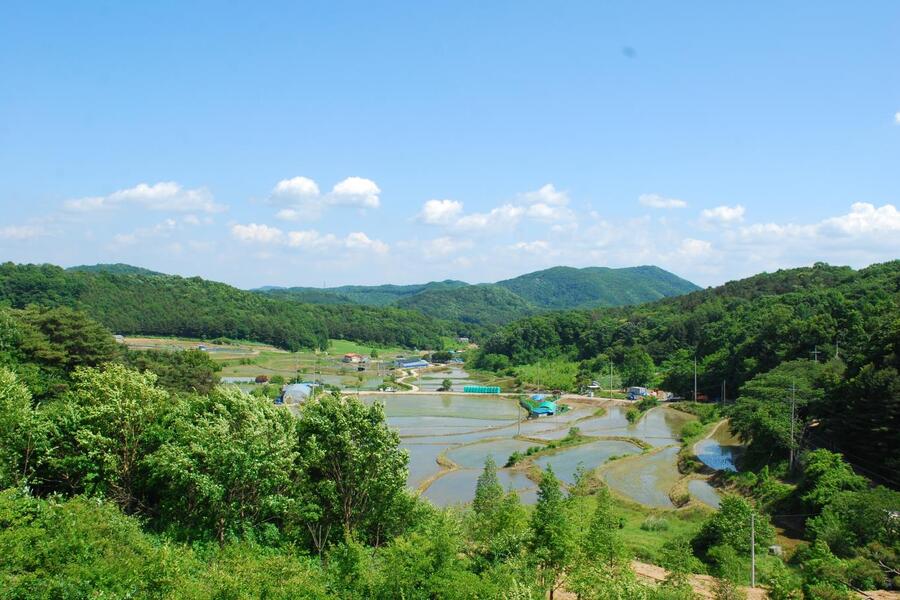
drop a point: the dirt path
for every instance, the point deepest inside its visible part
(703, 585)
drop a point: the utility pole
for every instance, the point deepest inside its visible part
(752, 549)
(695, 379)
(815, 353)
(610, 379)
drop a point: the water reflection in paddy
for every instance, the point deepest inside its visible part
(646, 479)
(432, 380)
(658, 427)
(422, 462)
(458, 487)
(430, 424)
(705, 493)
(591, 455)
(447, 405)
(720, 451)
(474, 455)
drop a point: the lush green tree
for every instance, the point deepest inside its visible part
(637, 367)
(352, 472)
(762, 413)
(446, 385)
(428, 562)
(23, 433)
(103, 429)
(185, 371)
(79, 340)
(551, 541)
(854, 519)
(497, 526)
(825, 475)
(226, 466)
(678, 373)
(602, 543)
(81, 548)
(730, 526)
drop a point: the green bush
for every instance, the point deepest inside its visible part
(653, 523)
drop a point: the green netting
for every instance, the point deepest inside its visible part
(481, 389)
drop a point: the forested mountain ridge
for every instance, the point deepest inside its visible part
(568, 287)
(744, 330)
(555, 288)
(478, 305)
(372, 295)
(114, 268)
(194, 307)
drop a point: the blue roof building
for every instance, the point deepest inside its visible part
(411, 363)
(547, 407)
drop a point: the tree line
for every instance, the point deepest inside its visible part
(135, 304)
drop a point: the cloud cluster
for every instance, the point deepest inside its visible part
(20, 232)
(657, 201)
(308, 240)
(545, 205)
(723, 214)
(166, 196)
(301, 197)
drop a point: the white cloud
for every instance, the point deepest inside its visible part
(534, 247)
(897, 118)
(440, 212)
(20, 232)
(163, 196)
(309, 239)
(445, 246)
(296, 187)
(258, 234)
(549, 213)
(547, 194)
(691, 248)
(502, 217)
(356, 191)
(865, 218)
(302, 199)
(360, 241)
(723, 214)
(657, 201)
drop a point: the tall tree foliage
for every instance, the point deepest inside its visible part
(551, 536)
(103, 430)
(352, 472)
(226, 465)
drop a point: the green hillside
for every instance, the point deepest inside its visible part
(743, 335)
(371, 295)
(475, 304)
(568, 287)
(115, 269)
(551, 289)
(194, 307)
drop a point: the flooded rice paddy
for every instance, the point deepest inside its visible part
(449, 436)
(720, 451)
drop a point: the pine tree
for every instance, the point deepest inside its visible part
(488, 491)
(551, 536)
(602, 541)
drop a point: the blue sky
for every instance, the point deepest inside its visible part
(343, 142)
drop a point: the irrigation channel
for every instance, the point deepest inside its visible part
(449, 436)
